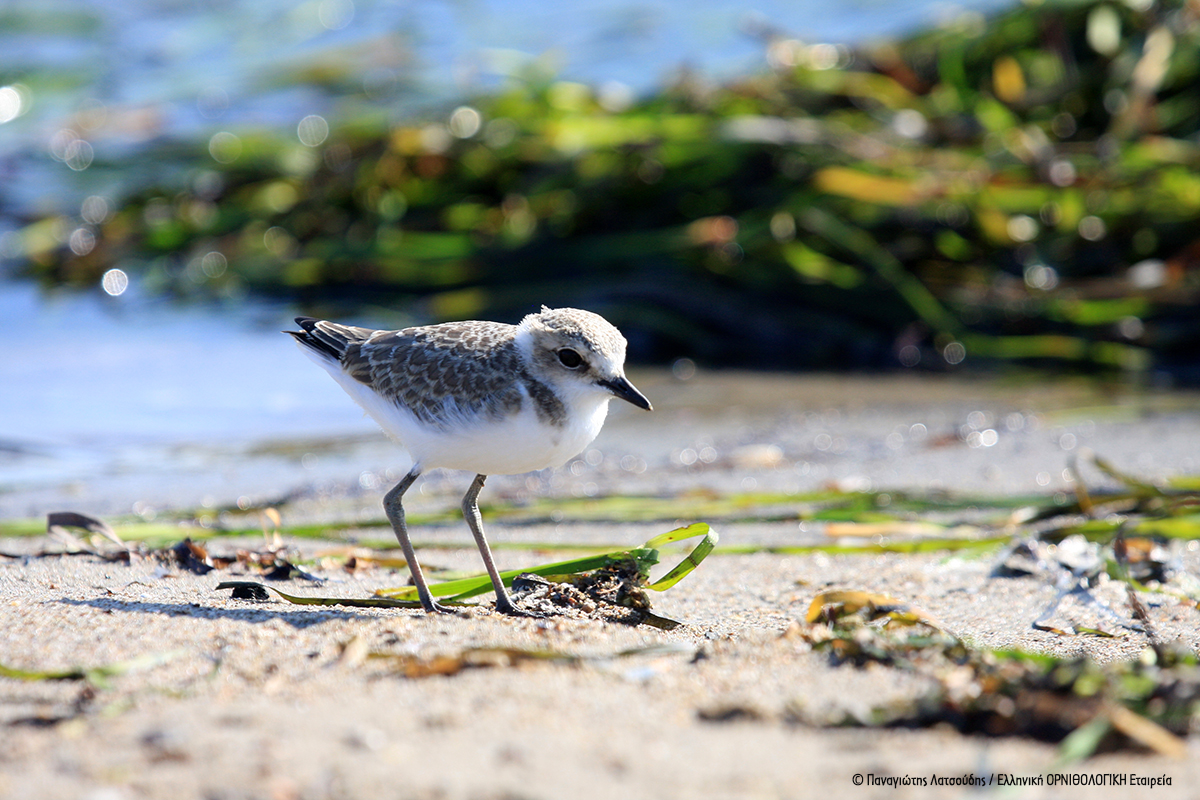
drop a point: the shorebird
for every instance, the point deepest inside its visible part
(484, 397)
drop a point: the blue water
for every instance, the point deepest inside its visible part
(123, 72)
(120, 397)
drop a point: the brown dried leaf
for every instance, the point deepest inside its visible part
(1041, 626)
(1145, 732)
(198, 551)
(847, 602)
(411, 666)
(192, 557)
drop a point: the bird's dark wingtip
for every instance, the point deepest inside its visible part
(307, 325)
(326, 338)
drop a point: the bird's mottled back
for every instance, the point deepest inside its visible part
(441, 371)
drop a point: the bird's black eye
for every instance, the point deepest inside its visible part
(569, 358)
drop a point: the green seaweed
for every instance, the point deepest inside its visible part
(99, 676)
(988, 194)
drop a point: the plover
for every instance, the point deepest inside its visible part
(485, 397)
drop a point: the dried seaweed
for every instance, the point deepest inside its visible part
(414, 666)
(1149, 702)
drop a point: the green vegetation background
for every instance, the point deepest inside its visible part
(1017, 189)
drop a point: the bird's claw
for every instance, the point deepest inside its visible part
(511, 610)
(433, 607)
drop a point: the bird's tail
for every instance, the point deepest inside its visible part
(328, 339)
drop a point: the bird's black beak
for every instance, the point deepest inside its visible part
(622, 388)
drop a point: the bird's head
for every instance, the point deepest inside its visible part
(577, 352)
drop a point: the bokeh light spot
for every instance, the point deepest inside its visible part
(212, 103)
(954, 353)
(683, 369)
(12, 104)
(1131, 327)
(1062, 172)
(435, 139)
(92, 114)
(1147, 274)
(313, 130)
(335, 14)
(1040, 276)
(1104, 30)
(783, 226)
(380, 83)
(1022, 228)
(82, 241)
(279, 196)
(94, 210)
(59, 142)
(650, 171)
(278, 241)
(500, 132)
(79, 155)
(785, 53)
(910, 123)
(1092, 228)
(67, 147)
(214, 264)
(713, 231)
(465, 122)
(824, 56)
(114, 282)
(224, 147)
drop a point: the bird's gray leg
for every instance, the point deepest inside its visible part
(470, 507)
(395, 515)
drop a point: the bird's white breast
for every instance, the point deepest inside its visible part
(509, 445)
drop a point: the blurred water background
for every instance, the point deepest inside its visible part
(145, 70)
(119, 392)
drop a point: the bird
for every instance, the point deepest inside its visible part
(484, 397)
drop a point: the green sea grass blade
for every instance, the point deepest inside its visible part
(691, 560)
(679, 535)
(1139, 486)
(359, 602)
(645, 556)
(932, 545)
(95, 675)
(481, 584)
(1082, 742)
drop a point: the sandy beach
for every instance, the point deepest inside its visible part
(237, 699)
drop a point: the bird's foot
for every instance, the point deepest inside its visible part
(506, 606)
(434, 607)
